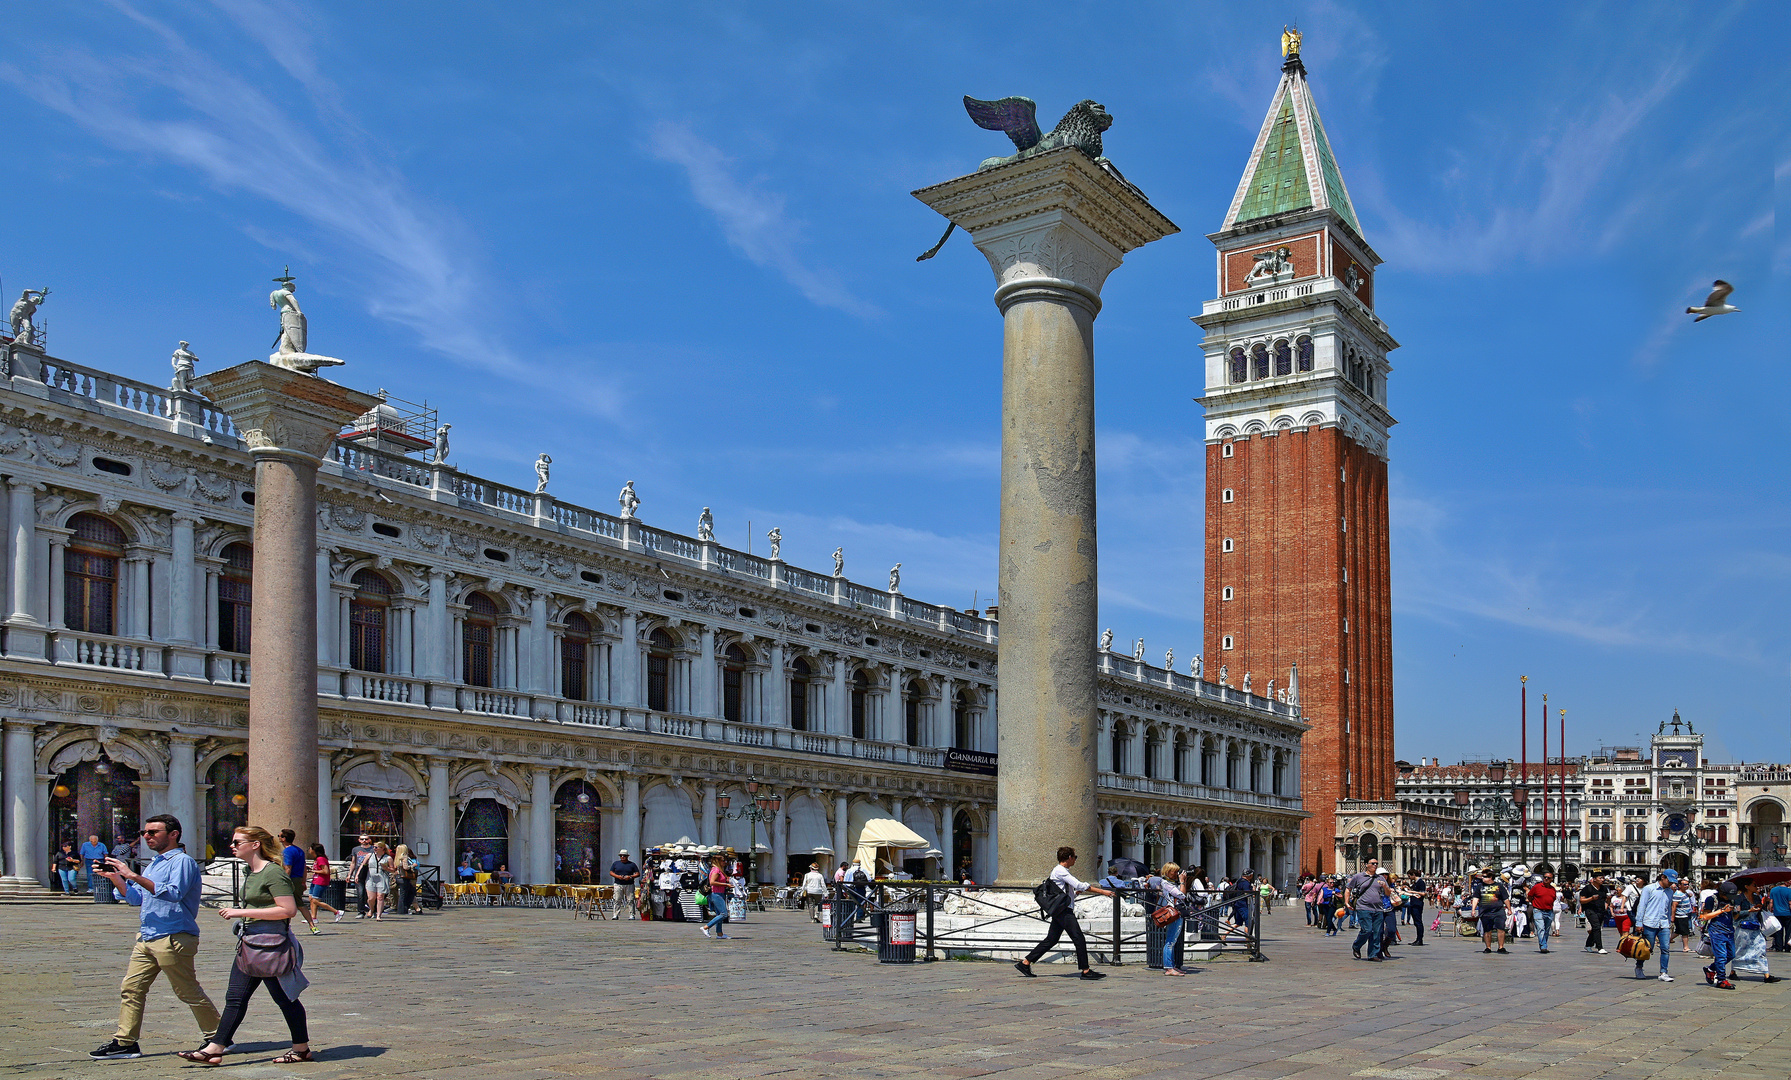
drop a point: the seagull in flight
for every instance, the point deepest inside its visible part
(1716, 304)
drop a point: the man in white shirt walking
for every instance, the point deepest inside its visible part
(1063, 916)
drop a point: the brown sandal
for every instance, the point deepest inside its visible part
(292, 1056)
(199, 1056)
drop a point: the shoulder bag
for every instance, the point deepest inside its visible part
(1634, 946)
(264, 954)
(1050, 898)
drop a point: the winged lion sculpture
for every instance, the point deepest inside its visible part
(1080, 128)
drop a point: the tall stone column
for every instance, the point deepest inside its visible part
(842, 805)
(183, 789)
(627, 663)
(25, 626)
(1052, 228)
(441, 818)
(329, 811)
(22, 819)
(711, 831)
(631, 817)
(707, 698)
(289, 420)
(541, 818)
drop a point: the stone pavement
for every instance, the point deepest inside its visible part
(483, 994)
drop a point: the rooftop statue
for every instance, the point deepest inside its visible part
(289, 344)
(776, 536)
(1138, 650)
(1080, 128)
(24, 331)
(543, 465)
(706, 526)
(1290, 42)
(441, 445)
(183, 368)
(895, 578)
(1107, 639)
(839, 562)
(629, 501)
(1169, 660)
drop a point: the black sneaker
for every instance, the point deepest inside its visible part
(116, 1051)
(1024, 968)
(1504, 950)
(1092, 975)
(1487, 949)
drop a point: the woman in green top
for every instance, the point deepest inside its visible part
(268, 899)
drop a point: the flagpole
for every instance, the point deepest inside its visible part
(1545, 788)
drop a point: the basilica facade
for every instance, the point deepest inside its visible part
(527, 679)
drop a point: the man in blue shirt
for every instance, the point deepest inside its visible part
(167, 936)
(1781, 910)
(91, 852)
(1654, 917)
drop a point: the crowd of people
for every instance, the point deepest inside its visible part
(1733, 923)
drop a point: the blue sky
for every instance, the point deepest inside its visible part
(674, 243)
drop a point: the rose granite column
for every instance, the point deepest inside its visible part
(288, 419)
(1053, 227)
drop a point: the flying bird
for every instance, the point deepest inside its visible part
(1717, 303)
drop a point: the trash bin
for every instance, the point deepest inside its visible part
(338, 890)
(895, 938)
(1154, 937)
(103, 893)
(827, 920)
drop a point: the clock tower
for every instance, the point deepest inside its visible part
(1296, 458)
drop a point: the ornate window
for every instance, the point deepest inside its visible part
(575, 648)
(234, 596)
(1180, 764)
(659, 670)
(1256, 769)
(90, 575)
(367, 621)
(1209, 762)
(733, 679)
(1259, 360)
(861, 685)
(799, 679)
(1233, 761)
(1120, 743)
(1283, 358)
(1153, 744)
(1240, 367)
(963, 734)
(1278, 781)
(477, 632)
(1303, 351)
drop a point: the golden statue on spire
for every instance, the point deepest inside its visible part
(1290, 41)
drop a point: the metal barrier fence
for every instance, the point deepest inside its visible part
(859, 914)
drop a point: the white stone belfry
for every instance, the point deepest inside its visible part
(1052, 227)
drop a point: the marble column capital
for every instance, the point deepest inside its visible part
(283, 413)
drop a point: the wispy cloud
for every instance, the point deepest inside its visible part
(174, 102)
(752, 219)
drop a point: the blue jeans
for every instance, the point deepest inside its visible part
(1370, 932)
(718, 903)
(1658, 938)
(1722, 952)
(68, 880)
(1171, 935)
(1545, 922)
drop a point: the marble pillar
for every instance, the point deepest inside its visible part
(541, 819)
(842, 850)
(183, 790)
(441, 819)
(434, 652)
(1052, 228)
(329, 811)
(631, 816)
(626, 663)
(711, 829)
(707, 703)
(186, 660)
(289, 420)
(24, 822)
(25, 638)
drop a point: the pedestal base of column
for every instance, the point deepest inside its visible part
(186, 663)
(27, 641)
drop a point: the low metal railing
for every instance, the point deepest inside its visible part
(1234, 920)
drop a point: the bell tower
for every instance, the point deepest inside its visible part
(1296, 458)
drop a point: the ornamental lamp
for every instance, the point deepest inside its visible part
(584, 798)
(239, 800)
(752, 785)
(777, 802)
(722, 801)
(1461, 796)
(1496, 772)
(60, 791)
(1520, 795)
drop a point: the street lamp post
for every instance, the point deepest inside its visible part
(760, 806)
(1153, 837)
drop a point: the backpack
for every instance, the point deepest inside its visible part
(1051, 899)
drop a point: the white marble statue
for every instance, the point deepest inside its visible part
(289, 346)
(1196, 666)
(629, 501)
(542, 465)
(776, 536)
(895, 578)
(1246, 682)
(1107, 640)
(1169, 660)
(1138, 649)
(183, 369)
(1224, 674)
(441, 445)
(1271, 265)
(24, 330)
(1270, 692)
(706, 526)
(839, 562)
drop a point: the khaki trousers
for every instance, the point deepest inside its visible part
(174, 955)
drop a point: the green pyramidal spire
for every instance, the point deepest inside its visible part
(1292, 167)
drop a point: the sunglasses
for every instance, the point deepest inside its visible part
(154, 832)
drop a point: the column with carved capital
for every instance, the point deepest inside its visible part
(25, 638)
(186, 660)
(441, 819)
(24, 821)
(1052, 228)
(183, 788)
(541, 815)
(289, 420)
